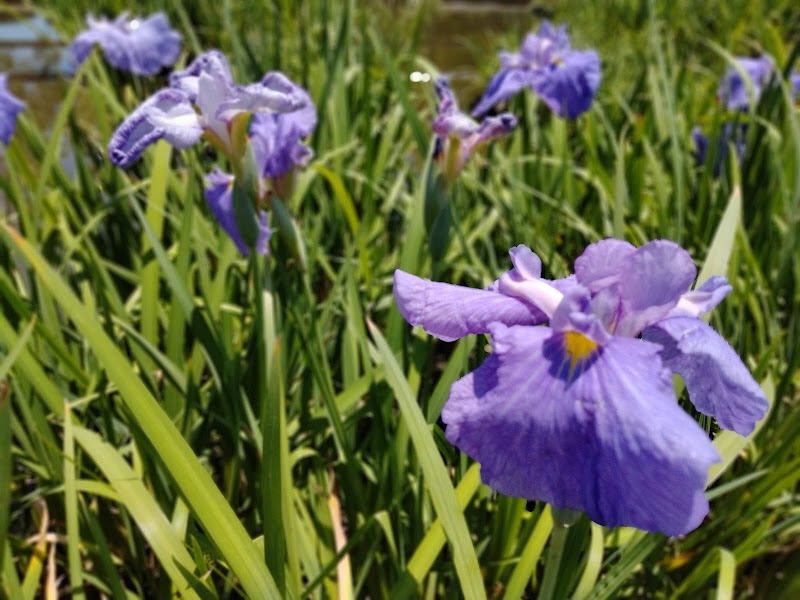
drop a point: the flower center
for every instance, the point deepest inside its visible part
(578, 347)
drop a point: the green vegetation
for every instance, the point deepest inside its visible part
(144, 374)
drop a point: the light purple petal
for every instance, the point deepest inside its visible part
(506, 83)
(655, 277)
(606, 438)
(700, 144)
(212, 63)
(219, 195)
(732, 91)
(526, 262)
(10, 107)
(450, 312)
(275, 93)
(703, 299)
(276, 137)
(167, 114)
(141, 46)
(794, 82)
(569, 85)
(718, 383)
(601, 263)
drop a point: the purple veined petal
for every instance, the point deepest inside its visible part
(718, 383)
(450, 312)
(10, 107)
(575, 313)
(219, 195)
(213, 63)
(606, 438)
(167, 114)
(654, 278)
(703, 299)
(260, 97)
(212, 91)
(141, 46)
(601, 263)
(732, 91)
(569, 85)
(505, 83)
(489, 129)
(153, 44)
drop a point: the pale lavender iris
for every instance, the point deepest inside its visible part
(219, 195)
(733, 90)
(565, 79)
(794, 84)
(10, 107)
(201, 99)
(458, 135)
(582, 413)
(140, 45)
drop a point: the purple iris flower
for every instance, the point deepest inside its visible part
(794, 84)
(277, 137)
(582, 413)
(732, 91)
(202, 99)
(459, 133)
(10, 107)
(141, 46)
(565, 79)
(219, 195)
(730, 132)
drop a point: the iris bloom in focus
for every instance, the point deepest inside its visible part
(565, 79)
(732, 91)
(458, 135)
(204, 101)
(141, 46)
(10, 107)
(582, 413)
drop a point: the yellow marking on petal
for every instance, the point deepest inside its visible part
(578, 347)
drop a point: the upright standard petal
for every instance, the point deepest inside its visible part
(219, 195)
(10, 107)
(212, 63)
(450, 312)
(569, 85)
(718, 383)
(603, 435)
(167, 114)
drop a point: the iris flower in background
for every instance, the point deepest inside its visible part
(141, 46)
(730, 133)
(794, 83)
(565, 79)
(732, 91)
(10, 107)
(204, 101)
(582, 413)
(458, 135)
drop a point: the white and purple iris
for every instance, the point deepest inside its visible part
(10, 107)
(458, 135)
(141, 46)
(582, 414)
(732, 90)
(203, 100)
(565, 79)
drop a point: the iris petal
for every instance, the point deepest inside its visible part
(506, 83)
(569, 86)
(718, 383)
(219, 195)
(10, 107)
(606, 438)
(167, 114)
(450, 312)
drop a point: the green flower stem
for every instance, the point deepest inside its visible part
(270, 394)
